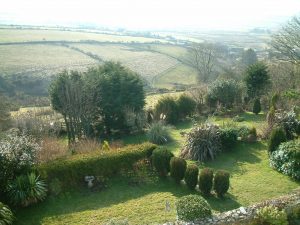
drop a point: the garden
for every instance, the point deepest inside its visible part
(103, 157)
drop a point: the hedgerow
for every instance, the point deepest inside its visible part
(71, 172)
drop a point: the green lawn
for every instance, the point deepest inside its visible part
(252, 180)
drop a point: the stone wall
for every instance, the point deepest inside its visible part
(243, 214)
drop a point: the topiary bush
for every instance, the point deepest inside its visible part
(256, 106)
(161, 160)
(191, 176)
(159, 133)
(206, 180)
(229, 138)
(192, 207)
(286, 159)
(177, 168)
(271, 215)
(221, 182)
(276, 138)
(26, 190)
(186, 105)
(166, 106)
(202, 143)
(6, 215)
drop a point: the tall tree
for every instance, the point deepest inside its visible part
(203, 59)
(66, 93)
(117, 89)
(287, 40)
(249, 57)
(257, 79)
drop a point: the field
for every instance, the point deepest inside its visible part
(252, 180)
(31, 35)
(44, 52)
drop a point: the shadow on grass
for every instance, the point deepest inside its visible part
(233, 161)
(119, 192)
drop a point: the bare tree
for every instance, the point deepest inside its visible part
(287, 41)
(202, 57)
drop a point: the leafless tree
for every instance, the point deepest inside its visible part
(287, 40)
(202, 57)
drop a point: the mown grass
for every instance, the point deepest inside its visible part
(252, 180)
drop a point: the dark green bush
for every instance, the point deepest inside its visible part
(256, 106)
(166, 106)
(191, 176)
(192, 207)
(221, 182)
(161, 160)
(177, 168)
(186, 105)
(71, 171)
(206, 180)
(276, 138)
(6, 215)
(229, 137)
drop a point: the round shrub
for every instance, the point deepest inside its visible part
(166, 106)
(228, 138)
(256, 106)
(192, 207)
(186, 105)
(161, 160)
(26, 190)
(177, 168)
(202, 143)
(286, 159)
(221, 182)
(159, 133)
(206, 180)
(6, 215)
(191, 176)
(276, 138)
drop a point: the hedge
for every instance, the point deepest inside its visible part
(71, 171)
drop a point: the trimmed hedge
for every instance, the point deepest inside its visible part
(206, 180)
(221, 182)
(71, 171)
(161, 160)
(177, 168)
(191, 176)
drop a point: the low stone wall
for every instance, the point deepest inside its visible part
(243, 214)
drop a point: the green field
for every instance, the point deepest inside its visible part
(41, 60)
(252, 180)
(29, 35)
(159, 64)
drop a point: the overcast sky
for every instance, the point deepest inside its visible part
(151, 14)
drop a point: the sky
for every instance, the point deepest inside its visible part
(151, 14)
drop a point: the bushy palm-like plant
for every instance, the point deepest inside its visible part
(6, 215)
(26, 190)
(203, 143)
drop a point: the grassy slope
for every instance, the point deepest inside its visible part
(40, 59)
(252, 181)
